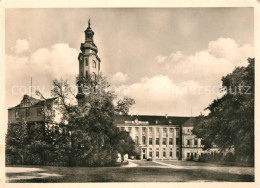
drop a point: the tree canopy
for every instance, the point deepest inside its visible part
(230, 122)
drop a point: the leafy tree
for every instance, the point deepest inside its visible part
(16, 143)
(230, 123)
(94, 139)
(123, 106)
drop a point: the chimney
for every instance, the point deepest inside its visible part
(166, 115)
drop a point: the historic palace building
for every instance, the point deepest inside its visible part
(159, 137)
(162, 137)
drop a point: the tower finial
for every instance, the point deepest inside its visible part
(88, 22)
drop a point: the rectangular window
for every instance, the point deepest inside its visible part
(188, 155)
(27, 112)
(195, 155)
(164, 141)
(170, 141)
(195, 142)
(150, 141)
(188, 142)
(177, 154)
(157, 141)
(164, 154)
(150, 154)
(177, 141)
(143, 140)
(150, 129)
(86, 61)
(157, 154)
(143, 130)
(170, 153)
(16, 114)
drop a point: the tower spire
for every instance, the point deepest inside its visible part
(88, 22)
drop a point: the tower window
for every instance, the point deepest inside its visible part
(87, 74)
(27, 112)
(16, 114)
(94, 64)
(39, 111)
(86, 61)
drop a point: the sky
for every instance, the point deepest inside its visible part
(166, 59)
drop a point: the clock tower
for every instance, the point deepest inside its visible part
(89, 62)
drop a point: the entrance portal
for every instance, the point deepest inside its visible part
(144, 153)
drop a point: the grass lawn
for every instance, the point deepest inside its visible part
(189, 163)
(122, 174)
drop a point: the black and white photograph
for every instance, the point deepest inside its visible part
(129, 94)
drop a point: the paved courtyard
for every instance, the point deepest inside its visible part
(136, 171)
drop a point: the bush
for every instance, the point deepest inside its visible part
(230, 157)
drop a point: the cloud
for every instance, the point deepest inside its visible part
(43, 65)
(21, 46)
(187, 80)
(160, 59)
(209, 65)
(119, 77)
(159, 95)
(229, 49)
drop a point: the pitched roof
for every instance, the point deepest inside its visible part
(189, 122)
(33, 101)
(152, 120)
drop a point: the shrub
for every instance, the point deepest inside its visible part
(230, 157)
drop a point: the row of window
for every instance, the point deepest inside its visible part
(195, 155)
(157, 141)
(94, 63)
(157, 155)
(164, 130)
(27, 112)
(190, 141)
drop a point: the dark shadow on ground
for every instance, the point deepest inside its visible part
(136, 174)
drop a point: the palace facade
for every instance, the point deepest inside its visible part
(162, 137)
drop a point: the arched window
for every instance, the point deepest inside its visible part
(136, 139)
(94, 64)
(94, 77)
